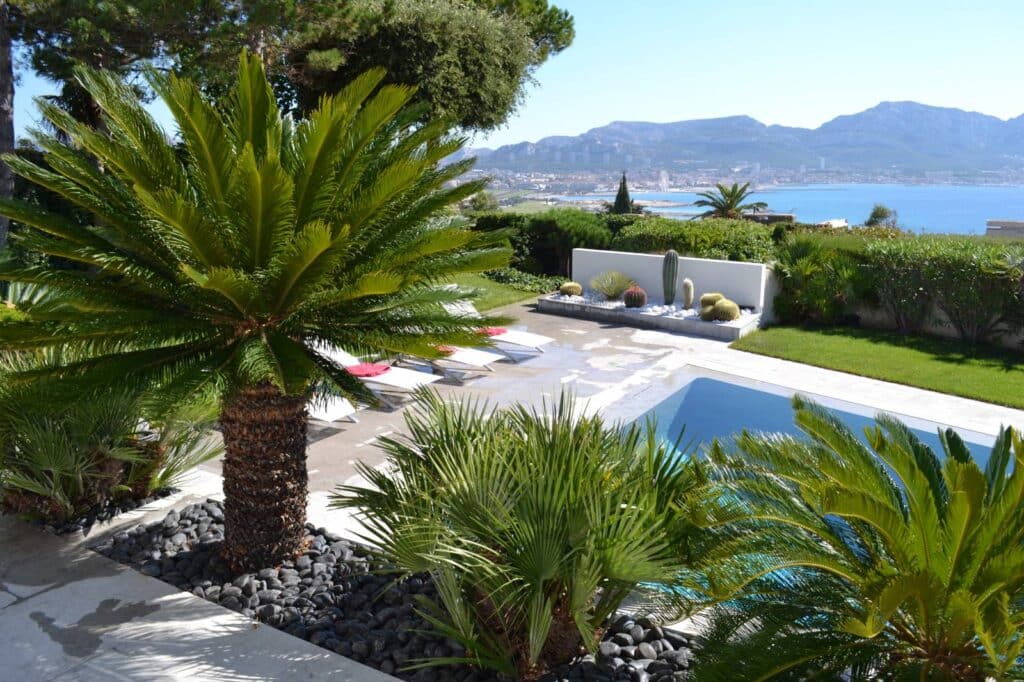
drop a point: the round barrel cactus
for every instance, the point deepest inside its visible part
(726, 310)
(571, 289)
(710, 299)
(635, 297)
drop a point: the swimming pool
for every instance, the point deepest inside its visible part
(712, 408)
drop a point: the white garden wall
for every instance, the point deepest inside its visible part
(745, 283)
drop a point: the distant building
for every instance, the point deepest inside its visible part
(834, 223)
(1007, 229)
(769, 218)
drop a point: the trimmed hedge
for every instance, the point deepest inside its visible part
(553, 235)
(976, 284)
(542, 243)
(524, 281)
(738, 240)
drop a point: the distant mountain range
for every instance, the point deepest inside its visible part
(893, 136)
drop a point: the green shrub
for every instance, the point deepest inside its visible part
(553, 235)
(710, 299)
(612, 284)
(894, 270)
(865, 556)
(63, 452)
(726, 310)
(513, 227)
(634, 297)
(738, 240)
(491, 222)
(534, 525)
(524, 280)
(821, 279)
(616, 222)
(975, 284)
(571, 289)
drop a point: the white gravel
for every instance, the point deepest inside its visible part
(593, 298)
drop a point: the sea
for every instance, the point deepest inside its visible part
(956, 209)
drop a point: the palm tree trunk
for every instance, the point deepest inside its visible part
(6, 111)
(265, 480)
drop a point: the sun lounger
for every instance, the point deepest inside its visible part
(334, 408)
(460, 362)
(391, 384)
(519, 340)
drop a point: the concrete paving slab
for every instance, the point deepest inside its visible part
(71, 614)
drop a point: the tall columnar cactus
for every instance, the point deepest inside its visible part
(687, 293)
(669, 272)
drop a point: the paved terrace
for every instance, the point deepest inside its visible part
(67, 613)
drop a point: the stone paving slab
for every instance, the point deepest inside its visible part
(67, 613)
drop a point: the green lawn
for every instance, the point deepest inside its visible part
(991, 375)
(529, 206)
(494, 294)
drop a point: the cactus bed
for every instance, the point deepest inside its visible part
(651, 308)
(653, 315)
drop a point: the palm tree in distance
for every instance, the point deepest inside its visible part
(229, 262)
(727, 202)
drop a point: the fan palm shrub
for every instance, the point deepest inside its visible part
(62, 454)
(534, 526)
(229, 260)
(875, 559)
(728, 202)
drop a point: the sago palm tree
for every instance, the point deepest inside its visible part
(879, 561)
(231, 260)
(535, 526)
(728, 202)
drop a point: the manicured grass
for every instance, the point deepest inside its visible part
(991, 375)
(529, 206)
(494, 294)
(10, 314)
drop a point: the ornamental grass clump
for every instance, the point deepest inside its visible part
(612, 284)
(534, 525)
(866, 559)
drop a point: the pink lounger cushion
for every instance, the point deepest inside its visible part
(493, 331)
(367, 369)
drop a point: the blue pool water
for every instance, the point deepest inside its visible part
(710, 409)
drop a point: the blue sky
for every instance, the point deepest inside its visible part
(793, 62)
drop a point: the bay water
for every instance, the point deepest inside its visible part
(958, 209)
